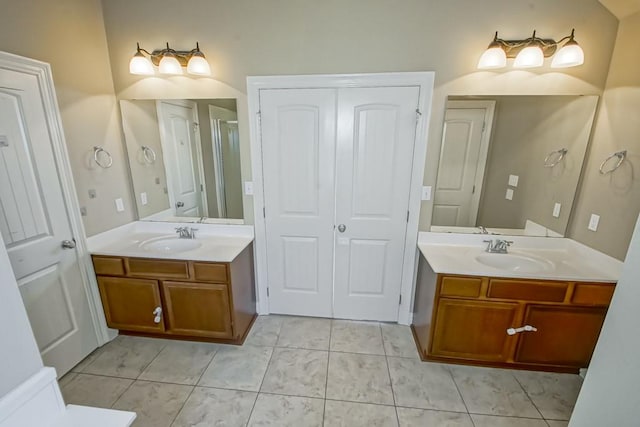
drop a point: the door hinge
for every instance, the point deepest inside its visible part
(484, 124)
(407, 216)
(418, 114)
(201, 187)
(473, 190)
(267, 291)
(264, 212)
(400, 301)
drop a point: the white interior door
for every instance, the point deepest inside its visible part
(376, 135)
(34, 223)
(461, 170)
(180, 147)
(298, 145)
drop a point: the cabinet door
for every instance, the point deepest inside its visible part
(131, 304)
(473, 329)
(566, 336)
(197, 309)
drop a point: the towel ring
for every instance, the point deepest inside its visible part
(149, 154)
(621, 155)
(97, 149)
(548, 163)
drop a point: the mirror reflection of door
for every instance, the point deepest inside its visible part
(180, 137)
(463, 156)
(226, 161)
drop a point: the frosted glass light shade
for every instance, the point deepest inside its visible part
(571, 55)
(169, 65)
(529, 57)
(140, 65)
(198, 65)
(492, 58)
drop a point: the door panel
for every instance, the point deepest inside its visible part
(298, 145)
(34, 222)
(181, 158)
(376, 133)
(454, 196)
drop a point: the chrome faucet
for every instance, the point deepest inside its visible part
(186, 232)
(497, 246)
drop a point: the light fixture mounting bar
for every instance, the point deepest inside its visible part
(513, 47)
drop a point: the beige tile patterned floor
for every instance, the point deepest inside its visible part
(303, 372)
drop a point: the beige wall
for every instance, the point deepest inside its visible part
(245, 37)
(615, 197)
(526, 129)
(140, 125)
(70, 35)
(206, 141)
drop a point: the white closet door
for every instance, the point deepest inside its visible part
(376, 134)
(298, 145)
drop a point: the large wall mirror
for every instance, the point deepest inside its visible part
(511, 164)
(184, 158)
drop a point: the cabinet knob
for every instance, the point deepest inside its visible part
(158, 315)
(525, 328)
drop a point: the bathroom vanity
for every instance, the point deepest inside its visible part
(157, 284)
(540, 307)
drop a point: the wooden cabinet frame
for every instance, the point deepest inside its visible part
(440, 321)
(211, 301)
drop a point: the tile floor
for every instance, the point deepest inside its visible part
(295, 371)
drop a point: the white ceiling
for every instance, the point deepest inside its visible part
(622, 8)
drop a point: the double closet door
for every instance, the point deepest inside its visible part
(336, 174)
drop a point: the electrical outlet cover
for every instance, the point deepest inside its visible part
(556, 210)
(426, 192)
(593, 222)
(509, 195)
(143, 198)
(513, 180)
(119, 205)
(248, 188)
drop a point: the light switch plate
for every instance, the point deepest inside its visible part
(556, 210)
(593, 222)
(426, 192)
(143, 198)
(248, 188)
(509, 195)
(513, 180)
(119, 205)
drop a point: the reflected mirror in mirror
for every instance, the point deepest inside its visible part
(184, 158)
(511, 164)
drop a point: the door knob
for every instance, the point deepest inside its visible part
(179, 204)
(342, 228)
(68, 244)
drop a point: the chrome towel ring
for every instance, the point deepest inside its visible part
(107, 160)
(555, 157)
(621, 155)
(149, 154)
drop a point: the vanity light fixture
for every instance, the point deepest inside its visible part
(531, 52)
(169, 61)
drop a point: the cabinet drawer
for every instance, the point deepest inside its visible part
(209, 272)
(527, 290)
(158, 268)
(593, 293)
(109, 266)
(460, 287)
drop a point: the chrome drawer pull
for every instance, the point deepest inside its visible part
(525, 328)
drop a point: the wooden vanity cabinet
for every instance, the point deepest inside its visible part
(179, 299)
(467, 317)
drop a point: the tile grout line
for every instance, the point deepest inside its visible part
(326, 379)
(528, 397)
(453, 378)
(273, 349)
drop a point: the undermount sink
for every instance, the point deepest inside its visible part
(516, 262)
(170, 245)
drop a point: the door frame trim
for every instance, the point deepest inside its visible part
(423, 80)
(42, 72)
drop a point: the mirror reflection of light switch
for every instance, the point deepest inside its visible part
(426, 192)
(248, 188)
(513, 180)
(556, 210)
(509, 195)
(593, 222)
(143, 198)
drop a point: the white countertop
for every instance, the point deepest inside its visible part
(569, 260)
(218, 243)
